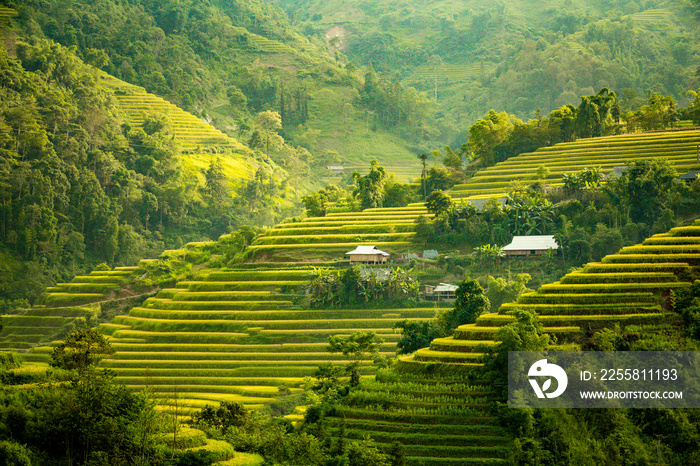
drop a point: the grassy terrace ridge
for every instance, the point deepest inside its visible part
(600, 295)
(64, 307)
(628, 293)
(197, 139)
(329, 237)
(218, 331)
(679, 147)
(439, 421)
(6, 13)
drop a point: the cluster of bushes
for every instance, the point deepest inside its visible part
(356, 285)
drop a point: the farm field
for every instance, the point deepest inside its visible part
(243, 333)
(197, 140)
(679, 147)
(64, 307)
(630, 288)
(330, 237)
(430, 393)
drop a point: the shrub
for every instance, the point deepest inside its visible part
(9, 360)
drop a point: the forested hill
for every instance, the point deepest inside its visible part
(92, 168)
(228, 61)
(518, 55)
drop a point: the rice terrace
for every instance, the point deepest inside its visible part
(284, 232)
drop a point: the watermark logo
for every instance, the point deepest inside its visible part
(542, 368)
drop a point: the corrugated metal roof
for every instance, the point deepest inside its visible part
(691, 175)
(532, 243)
(367, 250)
(442, 287)
(430, 254)
(616, 172)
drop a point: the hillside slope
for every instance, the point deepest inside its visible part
(518, 56)
(432, 401)
(226, 62)
(97, 170)
(239, 333)
(606, 153)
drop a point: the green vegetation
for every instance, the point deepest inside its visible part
(273, 344)
(243, 67)
(529, 58)
(76, 414)
(569, 158)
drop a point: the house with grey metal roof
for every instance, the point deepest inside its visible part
(616, 172)
(690, 176)
(441, 292)
(530, 245)
(430, 254)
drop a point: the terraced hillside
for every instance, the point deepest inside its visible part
(331, 236)
(195, 138)
(65, 306)
(451, 73)
(630, 288)
(243, 333)
(679, 147)
(6, 14)
(439, 419)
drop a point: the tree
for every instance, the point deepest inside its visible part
(438, 203)
(650, 180)
(370, 187)
(14, 454)
(488, 253)
(525, 334)
(424, 229)
(452, 159)
(315, 204)
(81, 350)
(501, 290)
(268, 123)
(216, 185)
(488, 132)
(227, 414)
(686, 302)
(660, 113)
(694, 107)
(416, 335)
(356, 347)
(439, 179)
(397, 194)
(597, 113)
(423, 159)
(542, 172)
(365, 453)
(470, 304)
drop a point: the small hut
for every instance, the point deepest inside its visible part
(430, 254)
(367, 255)
(441, 292)
(530, 245)
(690, 176)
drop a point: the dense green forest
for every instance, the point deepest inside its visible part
(517, 56)
(228, 61)
(80, 186)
